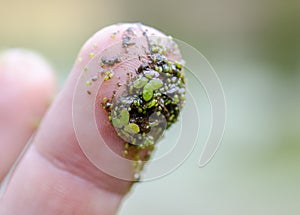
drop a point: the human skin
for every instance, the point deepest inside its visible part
(54, 176)
(27, 86)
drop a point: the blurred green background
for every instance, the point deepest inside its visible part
(254, 47)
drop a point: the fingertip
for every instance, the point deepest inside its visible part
(24, 72)
(27, 85)
(61, 158)
(26, 64)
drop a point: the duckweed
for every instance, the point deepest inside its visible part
(147, 92)
(152, 100)
(156, 84)
(139, 83)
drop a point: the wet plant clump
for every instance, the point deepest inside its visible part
(151, 102)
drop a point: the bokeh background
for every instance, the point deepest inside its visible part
(254, 47)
